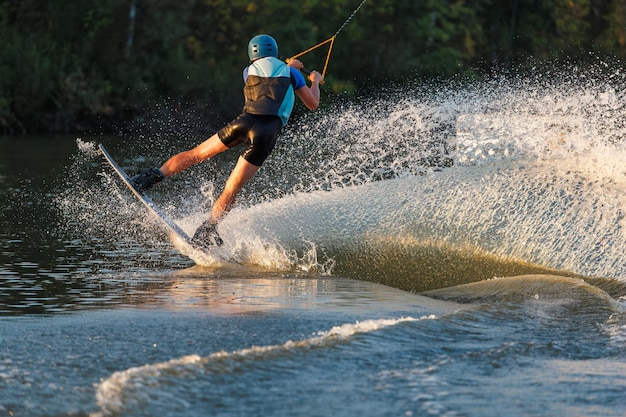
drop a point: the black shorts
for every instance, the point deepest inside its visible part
(258, 132)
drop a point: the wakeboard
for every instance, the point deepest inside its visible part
(153, 208)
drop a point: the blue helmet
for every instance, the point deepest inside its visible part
(262, 46)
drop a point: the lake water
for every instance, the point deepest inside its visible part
(451, 252)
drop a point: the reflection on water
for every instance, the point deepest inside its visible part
(188, 289)
(49, 279)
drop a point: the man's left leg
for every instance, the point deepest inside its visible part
(183, 160)
(178, 163)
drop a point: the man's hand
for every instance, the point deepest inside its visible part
(295, 63)
(315, 77)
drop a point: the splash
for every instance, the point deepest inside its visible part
(443, 184)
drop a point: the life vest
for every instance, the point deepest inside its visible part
(268, 90)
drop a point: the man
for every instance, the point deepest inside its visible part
(270, 89)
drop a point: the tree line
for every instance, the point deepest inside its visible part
(85, 65)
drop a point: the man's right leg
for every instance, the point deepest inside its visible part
(241, 174)
(207, 231)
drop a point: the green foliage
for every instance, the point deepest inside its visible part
(68, 65)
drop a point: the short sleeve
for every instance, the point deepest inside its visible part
(297, 79)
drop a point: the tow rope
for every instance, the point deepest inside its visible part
(330, 40)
